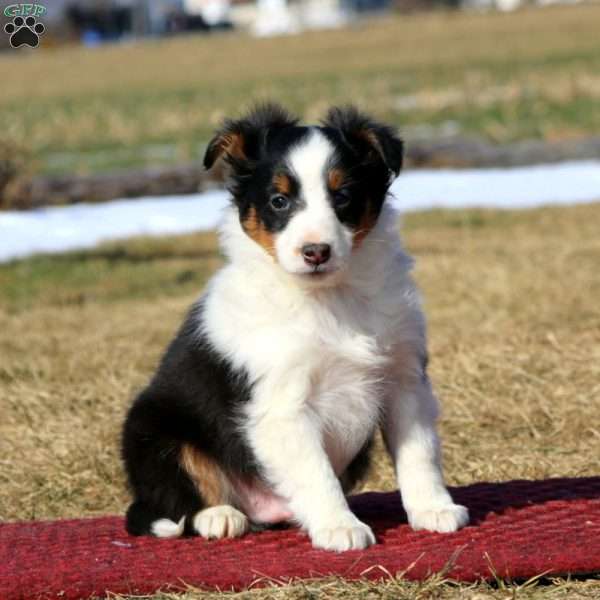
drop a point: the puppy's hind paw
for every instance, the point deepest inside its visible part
(355, 536)
(443, 519)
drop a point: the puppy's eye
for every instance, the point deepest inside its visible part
(342, 198)
(279, 202)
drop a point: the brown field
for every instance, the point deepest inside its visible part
(512, 302)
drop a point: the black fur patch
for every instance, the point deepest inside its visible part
(265, 135)
(366, 137)
(194, 398)
(369, 153)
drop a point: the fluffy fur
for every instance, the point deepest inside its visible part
(265, 404)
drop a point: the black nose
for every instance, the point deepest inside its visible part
(316, 254)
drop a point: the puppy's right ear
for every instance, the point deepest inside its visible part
(244, 139)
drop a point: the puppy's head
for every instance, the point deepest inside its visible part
(308, 195)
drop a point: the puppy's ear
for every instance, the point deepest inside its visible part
(243, 139)
(366, 136)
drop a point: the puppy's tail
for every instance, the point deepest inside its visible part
(142, 520)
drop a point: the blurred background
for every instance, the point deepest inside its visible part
(119, 86)
(107, 217)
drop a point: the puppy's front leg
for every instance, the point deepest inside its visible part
(286, 437)
(409, 431)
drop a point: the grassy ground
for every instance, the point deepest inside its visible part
(534, 73)
(515, 345)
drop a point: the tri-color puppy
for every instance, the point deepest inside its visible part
(312, 336)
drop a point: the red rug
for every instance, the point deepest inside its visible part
(519, 529)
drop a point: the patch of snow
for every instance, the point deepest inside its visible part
(519, 187)
(58, 229)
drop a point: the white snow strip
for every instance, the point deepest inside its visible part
(519, 187)
(59, 229)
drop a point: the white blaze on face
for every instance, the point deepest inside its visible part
(316, 222)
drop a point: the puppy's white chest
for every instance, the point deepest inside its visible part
(345, 366)
(346, 399)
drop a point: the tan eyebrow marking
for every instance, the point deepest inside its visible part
(282, 184)
(335, 179)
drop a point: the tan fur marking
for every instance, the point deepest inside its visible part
(255, 229)
(282, 184)
(366, 223)
(232, 144)
(372, 140)
(335, 179)
(210, 480)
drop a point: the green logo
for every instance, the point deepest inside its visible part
(25, 10)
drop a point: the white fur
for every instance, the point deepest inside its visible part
(220, 521)
(316, 223)
(165, 528)
(408, 428)
(327, 364)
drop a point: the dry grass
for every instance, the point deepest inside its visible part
(533, 73)
(435, 588)
(515, 346)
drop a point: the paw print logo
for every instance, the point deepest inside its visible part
(24, 32)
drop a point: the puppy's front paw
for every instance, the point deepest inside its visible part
(443, 519)
(220, 521)
(354, 535)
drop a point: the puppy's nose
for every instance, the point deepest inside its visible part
(316, 254)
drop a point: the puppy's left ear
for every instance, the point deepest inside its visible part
(366, 136)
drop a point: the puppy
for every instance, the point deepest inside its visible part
(264, 407)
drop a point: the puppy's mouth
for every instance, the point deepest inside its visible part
(318, 273)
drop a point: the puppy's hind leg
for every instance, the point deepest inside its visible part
(165, 495)
(163, 507)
